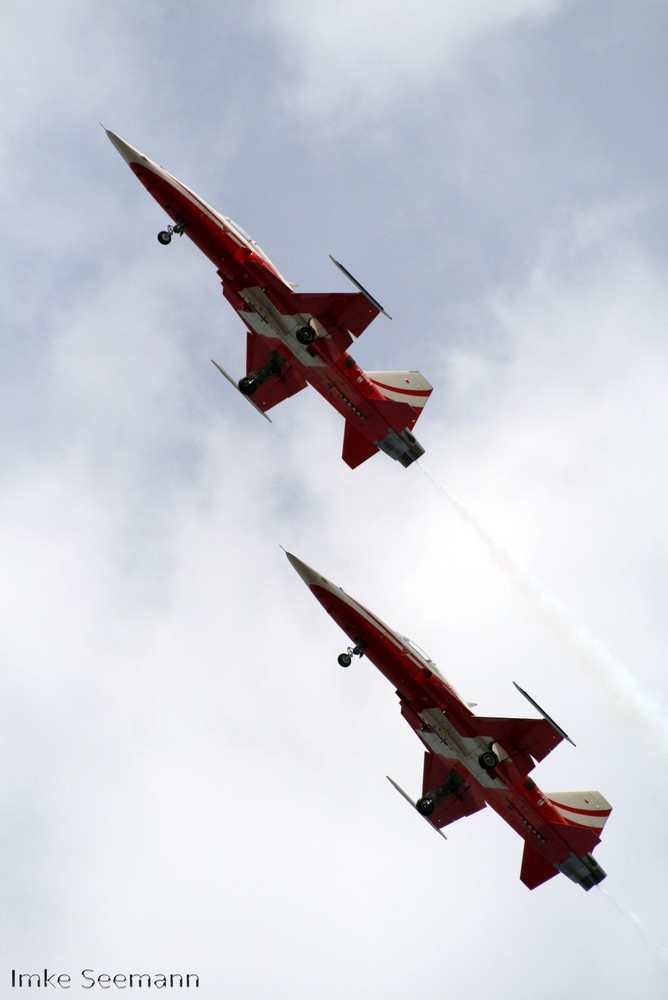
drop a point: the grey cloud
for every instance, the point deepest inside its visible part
(192, 781)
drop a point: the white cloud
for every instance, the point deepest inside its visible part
(347, 61)
(560, 458)
(192, 780)
(208, 770)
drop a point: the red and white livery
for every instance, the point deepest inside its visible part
(472, 761)
(294, 339)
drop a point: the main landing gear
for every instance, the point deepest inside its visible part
(426, 805)
(345, 659)
(305, 335)
(488, 760)
(165, 235)
(249, 383)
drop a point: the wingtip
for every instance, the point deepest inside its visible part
(374, 302)
(564, 735)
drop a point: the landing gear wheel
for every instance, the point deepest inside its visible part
(425, 806)
(488, 760)
(247, 386)
(344, 660)
(305, 335)
(164, 237)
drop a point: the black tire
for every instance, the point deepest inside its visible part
(164, 237)
(425, 806)
(305, 335)
(488, 760)
(344, 660)
(247, 386)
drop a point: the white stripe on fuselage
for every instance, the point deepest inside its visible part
(422, 662)
(221, 221)
(195, 200)
(375, 622)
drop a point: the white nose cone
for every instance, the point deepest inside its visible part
(129, 154)
(309, 576)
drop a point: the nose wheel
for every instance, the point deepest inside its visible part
(345, 659)
(165, 236)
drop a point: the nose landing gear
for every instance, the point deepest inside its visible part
(345, 659)
(165, 235)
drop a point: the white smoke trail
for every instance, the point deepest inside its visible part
(660, 949)
(624, 692)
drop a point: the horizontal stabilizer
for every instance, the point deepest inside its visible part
(535, 869)
(356, 447)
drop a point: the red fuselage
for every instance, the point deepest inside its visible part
(560, 829)
(294, 338)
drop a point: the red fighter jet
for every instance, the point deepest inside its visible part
(472, 761)
(294, 339)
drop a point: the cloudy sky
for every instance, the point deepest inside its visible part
(190, 783)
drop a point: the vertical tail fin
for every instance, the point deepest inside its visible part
(588, 811)
(404, 387)
(582, 816)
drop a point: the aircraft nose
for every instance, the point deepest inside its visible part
(129, 153)
(308, 575)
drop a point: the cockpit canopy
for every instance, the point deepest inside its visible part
(238, 229)
(423, 656)
(251, 242)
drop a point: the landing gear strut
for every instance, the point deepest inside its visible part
(249, 383)
(345, 659)
(426, 805)
(165, 235)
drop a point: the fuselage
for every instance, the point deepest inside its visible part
(448, 728)
(274, 312)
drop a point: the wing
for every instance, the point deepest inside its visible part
(341, 313)
(525, 740)
(463, 802)
(281, 386)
